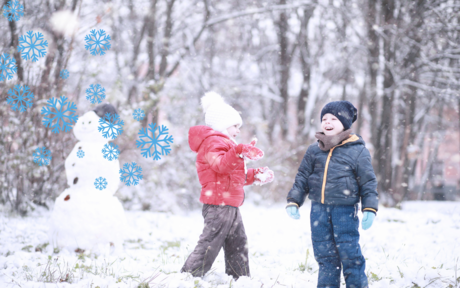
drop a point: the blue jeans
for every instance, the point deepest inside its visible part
(335, 237)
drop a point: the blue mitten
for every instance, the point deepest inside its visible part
(293, 211)
(368, 218)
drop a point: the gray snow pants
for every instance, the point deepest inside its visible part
(223, 227)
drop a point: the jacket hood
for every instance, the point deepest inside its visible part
(197, 135)
(354, 139)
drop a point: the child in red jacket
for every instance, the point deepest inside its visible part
(222, 172)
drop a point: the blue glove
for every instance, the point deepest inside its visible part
(368, 218)
(293, 211)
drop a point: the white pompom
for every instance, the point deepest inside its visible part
(210, 98)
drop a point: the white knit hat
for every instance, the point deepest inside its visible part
(219, 115)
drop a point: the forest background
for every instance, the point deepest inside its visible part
(277, 62)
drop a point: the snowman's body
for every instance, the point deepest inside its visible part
(82, 172)
(85, 217)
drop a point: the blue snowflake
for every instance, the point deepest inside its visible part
(64, 74)
(131, 174)
(138, 114)
(7, 67)
(111, 126)
(42, 156)
(32, 46)
(100, 183)
(80, 154)
(61, 108)
(13, 11)
(22, 95)
(110, 151)
(97, 42)
(95, 93)
(154, 141)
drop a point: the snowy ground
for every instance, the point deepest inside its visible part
(418, 246)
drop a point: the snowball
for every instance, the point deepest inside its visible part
(262, 176)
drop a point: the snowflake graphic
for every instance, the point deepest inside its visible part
(23, 97)
(100, 183)
(80, 154)
(61, 108)
(110, 151)
(154, 141)
(97, 42)
(7, 67)
(32, 46)
(111, 126)
(138, 114)
(64, 74)
(131, 174)
(42, 156)
(95, 93)
(13, 11)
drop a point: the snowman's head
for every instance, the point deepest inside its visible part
(86, 128)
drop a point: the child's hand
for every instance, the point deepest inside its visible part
(249, 151)
(263, 176)
(293, 211)
(368, 218)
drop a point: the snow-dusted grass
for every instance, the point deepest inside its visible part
(418, 246)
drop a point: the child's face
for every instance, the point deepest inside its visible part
(331, 125)
(233, 131)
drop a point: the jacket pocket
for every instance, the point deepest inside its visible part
(352, 187)
(314, 184)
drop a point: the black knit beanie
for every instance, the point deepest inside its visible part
(343, 110)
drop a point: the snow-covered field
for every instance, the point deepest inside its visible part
(418, 246)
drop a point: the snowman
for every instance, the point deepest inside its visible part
(87, 216)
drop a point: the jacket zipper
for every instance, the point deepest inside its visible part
(325, 175)
(323, 188)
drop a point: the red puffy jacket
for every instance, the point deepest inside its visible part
(220, 170)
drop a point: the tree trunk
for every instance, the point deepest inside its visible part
(14, 44)
(386, 126)
(343, 38)
(166, 38)
(433, 154)
(283, 61)
(361, 100)
(402, 173)
(373, 66)
(304, 51)
(151, 31)
(152, 89)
